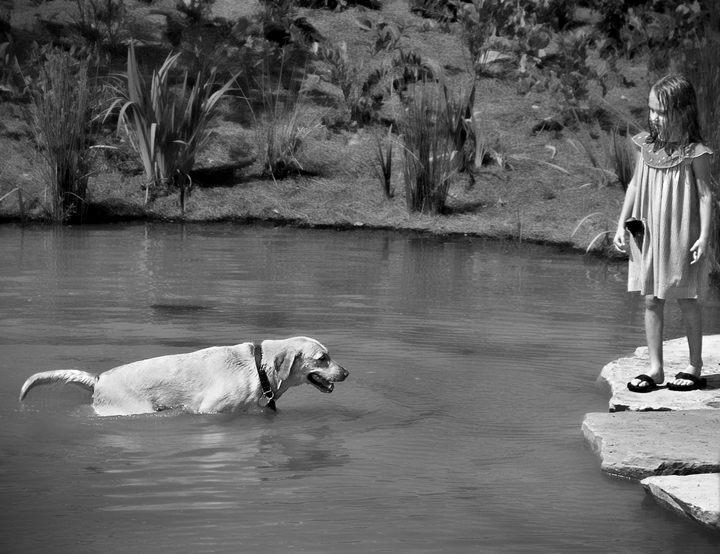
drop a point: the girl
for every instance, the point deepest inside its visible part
(668, 212)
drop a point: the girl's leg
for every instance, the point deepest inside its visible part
(692, 317)
(654, 323)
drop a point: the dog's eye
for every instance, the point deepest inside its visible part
(322, 358)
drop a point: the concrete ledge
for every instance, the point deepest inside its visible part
(636, 445)
(614, 377)
(694, 497)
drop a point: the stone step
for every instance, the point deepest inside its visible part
(636, 445)
(614, 377)
(694, 497)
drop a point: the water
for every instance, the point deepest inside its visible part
(471, 366)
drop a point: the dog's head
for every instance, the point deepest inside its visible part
(302, 360)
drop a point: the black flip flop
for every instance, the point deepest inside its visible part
(698, 382)
(652, 385)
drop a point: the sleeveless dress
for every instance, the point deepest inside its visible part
(667, 202)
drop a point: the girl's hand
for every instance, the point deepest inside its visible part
(698, 250)
(619, 240)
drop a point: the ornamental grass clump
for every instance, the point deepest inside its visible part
(169, 128)
(284, 122)
(63, 97)
(429, 154)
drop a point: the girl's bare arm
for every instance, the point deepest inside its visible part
(701, 170)
(627, 207)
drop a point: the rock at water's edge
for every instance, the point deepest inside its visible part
(615, 376)
(636, 445)
(695, 497)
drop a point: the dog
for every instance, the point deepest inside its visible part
(213, 380)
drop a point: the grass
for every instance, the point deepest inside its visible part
(532, 186)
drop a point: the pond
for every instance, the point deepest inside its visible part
(472, 364)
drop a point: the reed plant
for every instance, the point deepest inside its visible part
(429, 153)
(461, 126)
(169, 127)
(63, 98)
(383, 167)
(622, 156)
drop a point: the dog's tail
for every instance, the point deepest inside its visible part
(65, 376)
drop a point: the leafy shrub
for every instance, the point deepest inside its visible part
(361, 91)
(195, 11)
(340, 72)
(580, 60)
(439, 10)
(11, 79)
(282, 25)
(558, 14)
(169, 130)
(5, 16)
(387, 35)
(483, 21)
(408, 68)
(364, 93)
(337, 4)
(102, 22)
(613, 15)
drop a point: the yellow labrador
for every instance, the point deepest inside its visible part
(218, 379)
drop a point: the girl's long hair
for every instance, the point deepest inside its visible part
(676, 95)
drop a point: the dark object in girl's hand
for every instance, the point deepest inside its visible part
(636, 228)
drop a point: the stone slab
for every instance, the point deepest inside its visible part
(695, 497)
(614, 377)
(636, 445)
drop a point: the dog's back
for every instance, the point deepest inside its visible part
(197, 382)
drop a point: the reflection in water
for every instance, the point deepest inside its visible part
(471, 367)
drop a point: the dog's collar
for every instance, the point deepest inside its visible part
(264, 381)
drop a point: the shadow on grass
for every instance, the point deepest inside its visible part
(458, 208)
(114, 210)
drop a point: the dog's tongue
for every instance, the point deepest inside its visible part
(321, 384)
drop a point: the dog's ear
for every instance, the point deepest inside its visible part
(284, 363)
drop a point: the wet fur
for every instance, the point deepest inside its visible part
(216, 379)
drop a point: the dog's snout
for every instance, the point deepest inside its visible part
(343, 373)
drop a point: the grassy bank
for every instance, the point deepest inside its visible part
(551, 186)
